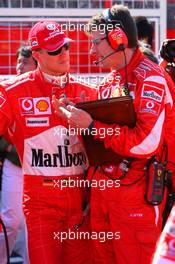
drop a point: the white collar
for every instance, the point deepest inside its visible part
(58, 80)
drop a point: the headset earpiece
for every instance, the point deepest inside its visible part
(117, 39)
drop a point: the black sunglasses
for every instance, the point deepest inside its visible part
(58, 51)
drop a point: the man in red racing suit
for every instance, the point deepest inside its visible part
(131, 226)
(51, 154)
(124, 209)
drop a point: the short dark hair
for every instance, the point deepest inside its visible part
(26, 52)
(118, 13)
(144, 29)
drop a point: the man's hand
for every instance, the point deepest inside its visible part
(61, 102)
(64, 101)
(76, 118)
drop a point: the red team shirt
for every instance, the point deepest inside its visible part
(38, 134)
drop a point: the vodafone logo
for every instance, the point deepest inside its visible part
(27, 104)
(150, 105)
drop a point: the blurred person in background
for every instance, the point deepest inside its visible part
(12, 180)
(167, 53)
(148, 52)
(145, 31)
(25, 60)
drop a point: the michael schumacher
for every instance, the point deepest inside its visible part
(47, 151)
(124, 209)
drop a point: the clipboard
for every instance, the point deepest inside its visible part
(117, 110)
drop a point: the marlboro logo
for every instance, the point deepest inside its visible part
(152, 92)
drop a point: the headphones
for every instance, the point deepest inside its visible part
(117, 37)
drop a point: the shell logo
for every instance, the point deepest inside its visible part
(42, 105)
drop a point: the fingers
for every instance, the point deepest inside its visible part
(59, 106)
(56, 102)
(74, 116)
(68, 102)
(64, 112)
(64, 101)
(61, 101)
(72, 109)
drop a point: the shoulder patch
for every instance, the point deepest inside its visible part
(152, 92)
(149, 106)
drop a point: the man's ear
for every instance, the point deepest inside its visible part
(35, 54)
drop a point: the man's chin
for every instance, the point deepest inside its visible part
(65, 69)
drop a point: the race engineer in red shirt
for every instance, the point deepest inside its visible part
(124, 209)
(49, 152)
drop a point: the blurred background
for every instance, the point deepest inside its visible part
(17, 16)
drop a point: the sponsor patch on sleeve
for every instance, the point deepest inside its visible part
(149, 106)
(152, 92)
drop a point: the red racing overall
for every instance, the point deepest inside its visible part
(124, 209)
(48, 154)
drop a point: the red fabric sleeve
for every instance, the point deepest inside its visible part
(146, 137)
(5, 112)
